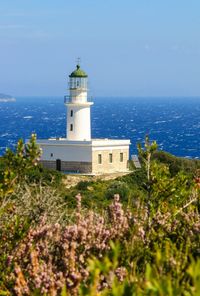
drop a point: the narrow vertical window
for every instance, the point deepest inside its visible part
(99, 158)
(51, 154)
(71, 127)
(110, 157)
(71, 113)
(121, 157)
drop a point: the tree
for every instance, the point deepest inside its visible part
(145, 155)
(17, 164)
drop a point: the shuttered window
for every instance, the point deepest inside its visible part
(99, 159)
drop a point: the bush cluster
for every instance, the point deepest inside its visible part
(137, 235)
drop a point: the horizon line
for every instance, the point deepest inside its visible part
(115, 96)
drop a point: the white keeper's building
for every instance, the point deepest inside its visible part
(78, 152)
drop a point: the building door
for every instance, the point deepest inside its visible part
(58, 164)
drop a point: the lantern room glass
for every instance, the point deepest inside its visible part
(78, 82)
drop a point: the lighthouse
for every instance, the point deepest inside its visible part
(78, 152)
(78, 108)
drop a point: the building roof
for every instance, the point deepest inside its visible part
(78, 73)
(93, 142)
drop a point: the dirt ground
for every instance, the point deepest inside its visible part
(73, 180)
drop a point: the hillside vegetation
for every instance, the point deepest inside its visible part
(135, 235)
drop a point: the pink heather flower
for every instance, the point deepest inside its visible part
(116, 197)
(78, 197)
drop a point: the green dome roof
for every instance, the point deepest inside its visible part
(78, 73)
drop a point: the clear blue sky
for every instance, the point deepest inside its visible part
(130, 47)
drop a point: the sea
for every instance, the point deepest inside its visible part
(173, 122)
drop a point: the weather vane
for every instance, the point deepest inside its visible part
(78, 61)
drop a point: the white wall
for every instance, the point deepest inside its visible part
(66, 152)
(80, 121)
(80, 151)
(78, 95)
(109, 144)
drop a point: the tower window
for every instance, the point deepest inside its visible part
(71, 127)
(71, 113)
(121, 157)
(51, 154)
(110, 157)
(99, 159)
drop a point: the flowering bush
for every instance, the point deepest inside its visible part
(75, 254)
(54, 255)
(148, 245)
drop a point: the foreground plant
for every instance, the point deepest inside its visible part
(76, 254)
(52, 255)
(47, 247)
(17, 164)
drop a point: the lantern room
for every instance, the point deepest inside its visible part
(78, 79)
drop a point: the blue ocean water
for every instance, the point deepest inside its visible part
(173, 122)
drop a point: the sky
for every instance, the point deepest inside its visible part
(128, 48)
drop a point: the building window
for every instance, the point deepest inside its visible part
(121, 157)
(99, 159)
(71, 113)
(71, 127)
(51, 154)
(110, 157)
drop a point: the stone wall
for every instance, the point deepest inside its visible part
(69, 166)
(95, 167)
(48, 164)
(110, 167)
(75, 166)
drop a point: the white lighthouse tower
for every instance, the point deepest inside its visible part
(78, 152)
(78, 107)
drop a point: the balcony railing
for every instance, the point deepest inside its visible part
(68, 99)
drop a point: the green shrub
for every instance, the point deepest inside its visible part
(177, 164)
(118, 187)
(83, 185)
(16, 164)
(44, 176)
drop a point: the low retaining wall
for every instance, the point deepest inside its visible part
(69, 166)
